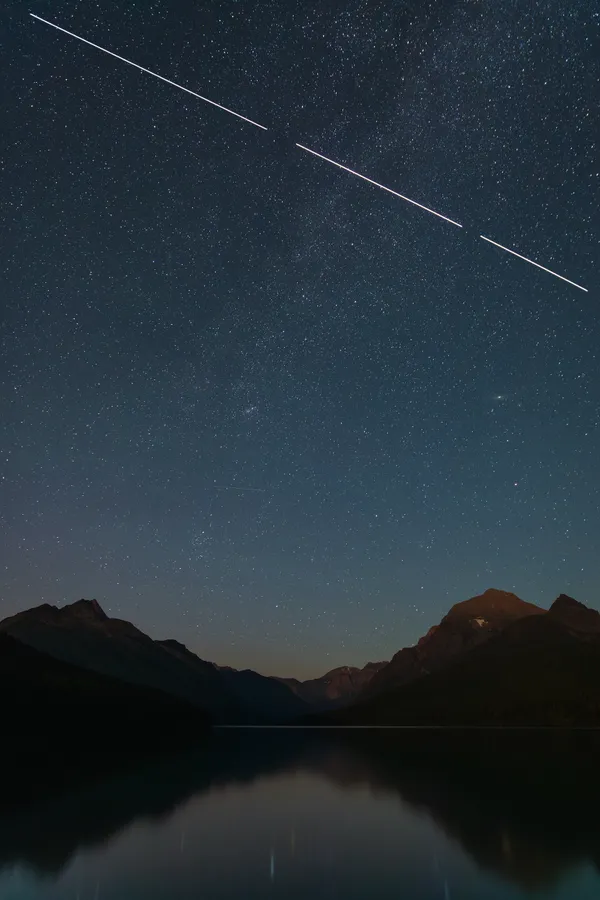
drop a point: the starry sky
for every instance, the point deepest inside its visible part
(256, 404)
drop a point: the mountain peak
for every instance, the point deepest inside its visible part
(173, 644)
(465, 625)
(575, 615)
(85, 609)
(493, 604)
(563, 601)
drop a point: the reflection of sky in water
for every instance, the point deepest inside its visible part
(293, 835)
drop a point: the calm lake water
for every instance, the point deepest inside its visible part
(417, 814)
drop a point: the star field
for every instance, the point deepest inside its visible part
(257, 405)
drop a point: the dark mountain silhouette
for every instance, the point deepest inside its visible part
(336, 688)
(461, 672)
(465, 626)
(83, 635)
(268, 694)
(574, 615)
(537, 671)
(267, 697)
(48, 706)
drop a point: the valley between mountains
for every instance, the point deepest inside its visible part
(493, 660)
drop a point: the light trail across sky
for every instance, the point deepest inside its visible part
(149, 72)
(302, 147)
(531, 262)
(382, 186)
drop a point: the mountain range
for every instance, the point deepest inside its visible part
(49, 707)
(467, 625)
(84, 637)
(337, 687)
(492, 660)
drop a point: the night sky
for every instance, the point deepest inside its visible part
(256, 404)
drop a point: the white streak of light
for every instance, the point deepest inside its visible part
(550, 272)
(149, 72)
(382, 186)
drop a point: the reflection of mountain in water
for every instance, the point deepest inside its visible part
(522, 804)
(45, 835)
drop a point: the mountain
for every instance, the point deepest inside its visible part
(54, 706)
(83, 635)
(574, 615)
(338, 687)
(275, 701)
(543, 669)
(467, 625)
(465, 661)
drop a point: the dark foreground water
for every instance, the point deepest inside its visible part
(290, 814)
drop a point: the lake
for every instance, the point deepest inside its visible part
(288, 813)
